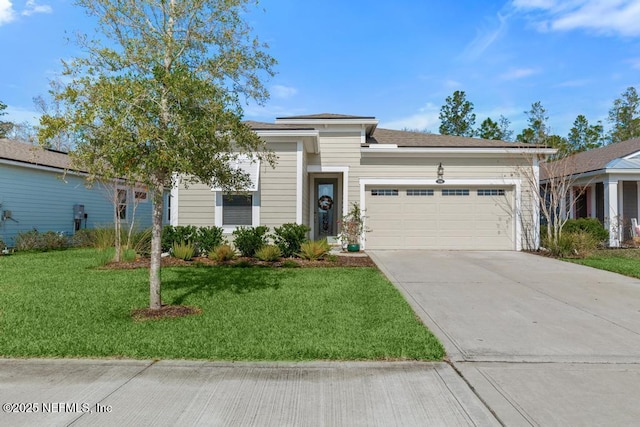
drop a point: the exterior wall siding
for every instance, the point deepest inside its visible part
(44, 200)
(197, 205)
(278, 187)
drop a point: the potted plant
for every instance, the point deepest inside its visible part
(352, 228)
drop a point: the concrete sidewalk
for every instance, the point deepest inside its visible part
(61, 392)
(541, 341)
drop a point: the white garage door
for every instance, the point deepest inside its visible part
(464, 218)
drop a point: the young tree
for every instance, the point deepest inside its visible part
(538, 130)
(457, 116)
(161, 97)
(52, 109)
(5, 127)
(583, 136)
(495, 130)
(625, 116)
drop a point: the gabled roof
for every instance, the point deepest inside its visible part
(326, 116)
(32, 154)
(596, 159)
(275, 126)
(420, 139)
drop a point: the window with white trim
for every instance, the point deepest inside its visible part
(455, 192)
(491, 192)
(121, 198)
(384, 192)
(419, 192)
(237, 209)
(141, 196)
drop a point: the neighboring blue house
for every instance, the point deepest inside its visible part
(35, 193)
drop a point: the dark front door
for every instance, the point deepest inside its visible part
(326, 207)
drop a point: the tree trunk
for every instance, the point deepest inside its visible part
(155, 301)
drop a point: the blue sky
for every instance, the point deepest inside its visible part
(397, 61)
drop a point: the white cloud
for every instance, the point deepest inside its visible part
(617, 17)
(32, 8)
(486, 37)
(518, 73)
(283, 92)
(428, 117)
(7, 13)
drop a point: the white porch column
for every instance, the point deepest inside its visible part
(612, 218)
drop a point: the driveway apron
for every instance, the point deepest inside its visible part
(541, 341)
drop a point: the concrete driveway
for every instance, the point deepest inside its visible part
(542, 342)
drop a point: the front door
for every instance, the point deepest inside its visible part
(326, 220)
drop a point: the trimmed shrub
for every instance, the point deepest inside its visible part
(249, 239)
(208, 238)
(183, 250)
(591, 226)
(180, 233)
(35, 241)
(222, 253)
(289, 237)
(269, 253)
(314, 249)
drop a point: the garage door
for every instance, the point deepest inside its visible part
(465, 218)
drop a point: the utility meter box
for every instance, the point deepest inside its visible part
(78, 212)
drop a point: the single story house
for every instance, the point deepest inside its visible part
(36, 193)
(605, 185)
(418, 190)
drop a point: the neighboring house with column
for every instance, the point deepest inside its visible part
(605, 184)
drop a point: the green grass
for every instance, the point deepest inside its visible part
(623, 261)
(58, 304)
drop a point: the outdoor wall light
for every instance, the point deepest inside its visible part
(440, 179)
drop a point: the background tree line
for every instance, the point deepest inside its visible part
(457, 118)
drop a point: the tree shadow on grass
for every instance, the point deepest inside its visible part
(207, 281)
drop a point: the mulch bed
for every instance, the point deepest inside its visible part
(166, 311)
(337, 261)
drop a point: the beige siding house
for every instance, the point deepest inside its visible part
(419, 191)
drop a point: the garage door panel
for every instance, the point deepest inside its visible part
(440, 222)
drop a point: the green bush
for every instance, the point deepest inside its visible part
(35, 241)
(314, 249)
(289, 237)
(208, 238)
(591, 226)
(269, 253)
(183, 250)
(180, 233)
(249, 239)
(222, 253)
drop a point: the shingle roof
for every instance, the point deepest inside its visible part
(322, 116)
(32, 154)
(593, 160)
(275, 126)
(421, 139)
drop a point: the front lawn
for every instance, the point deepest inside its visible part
(623, 261)
(58, 304)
